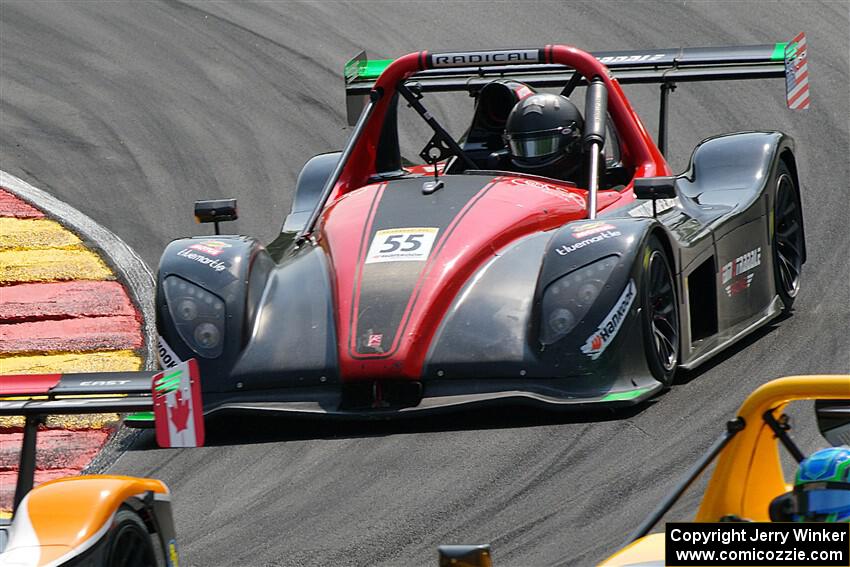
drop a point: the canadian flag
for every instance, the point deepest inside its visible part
(178, 409)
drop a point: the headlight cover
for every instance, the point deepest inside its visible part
(568, 299)
(198, 315)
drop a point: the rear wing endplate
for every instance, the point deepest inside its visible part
(665, 66)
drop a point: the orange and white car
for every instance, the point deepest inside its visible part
(94, 520)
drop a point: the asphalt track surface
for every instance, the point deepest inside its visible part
(131, 111)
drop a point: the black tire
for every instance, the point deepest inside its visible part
(660, 313)
(130, 544)
(788, 243)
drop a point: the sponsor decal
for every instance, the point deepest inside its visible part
(167, 358)
(211, 247)
(177, 406)
(648, 58)
(104, 382)
(604, 235)
(740, 265)
(375, 341)
(214, 264)
(553, 190)
(586, 229)
(173, 559)
(531, 183)
(661, 205)
(401, 245)
(739, 285)
(484, 58)
(607, 330)
(523, 92)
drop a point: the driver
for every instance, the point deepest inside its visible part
(543, 134)
(821, 489)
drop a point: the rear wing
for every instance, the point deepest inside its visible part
(173, 395)
(469, 71)
(99, 392)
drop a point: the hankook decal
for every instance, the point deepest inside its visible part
(167, 358)
(607, 330)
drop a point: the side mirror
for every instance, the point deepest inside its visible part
(218, 210)
(464, 556)
(655, 187)
(833, 417)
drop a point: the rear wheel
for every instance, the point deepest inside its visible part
(660, 314)
(787, 238)
(130, 543)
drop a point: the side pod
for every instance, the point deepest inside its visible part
(207, 294)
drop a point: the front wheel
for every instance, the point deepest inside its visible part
(787, 238)
(660, 314)
(130, 544)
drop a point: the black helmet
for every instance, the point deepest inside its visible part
(543, 134)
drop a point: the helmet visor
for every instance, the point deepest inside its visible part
(814, 505)
(536, 146)
(828, 501)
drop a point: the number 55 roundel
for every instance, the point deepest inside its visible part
(401, 245)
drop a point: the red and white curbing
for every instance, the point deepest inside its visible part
(69, 316)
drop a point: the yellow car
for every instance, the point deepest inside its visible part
(748, 475)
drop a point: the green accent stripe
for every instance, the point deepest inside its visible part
(365, 70)
(168, 386)
(373, 69)
(140, 416)
(778, 52)
(628, 395)
(169, 382)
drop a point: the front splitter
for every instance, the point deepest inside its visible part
(327, 404)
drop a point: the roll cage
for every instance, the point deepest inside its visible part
(372, 86)
(360, 159)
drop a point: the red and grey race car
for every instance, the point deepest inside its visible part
(477, 271)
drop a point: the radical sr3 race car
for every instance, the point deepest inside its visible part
(401, 284)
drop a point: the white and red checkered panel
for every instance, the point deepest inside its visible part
(797, 73)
